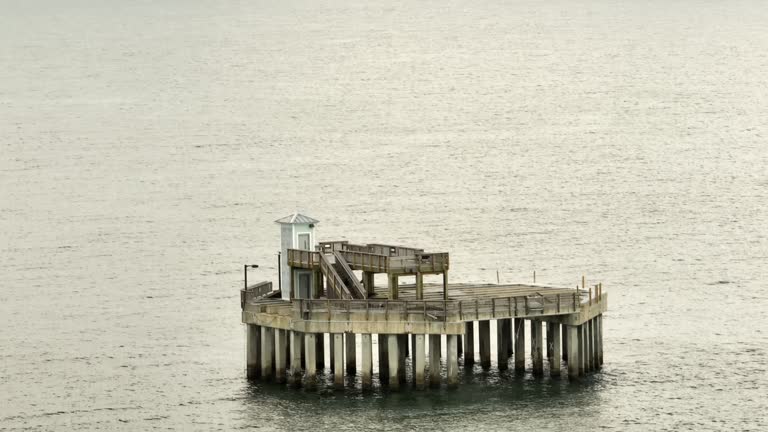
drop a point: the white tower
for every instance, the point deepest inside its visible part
(297, 231)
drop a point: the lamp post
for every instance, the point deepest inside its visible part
(245, 274)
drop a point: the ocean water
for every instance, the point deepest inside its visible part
(148, 146)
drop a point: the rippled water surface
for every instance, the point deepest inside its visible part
(147, 146)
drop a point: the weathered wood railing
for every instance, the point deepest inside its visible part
(352, 283)
(421, 262)
(335, 286)
(255, 291)
(366, 261)
(303, 258)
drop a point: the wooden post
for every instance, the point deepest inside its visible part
(445, 284)
(485, 343)
(419, 286)
(393, 286)
(319, 351)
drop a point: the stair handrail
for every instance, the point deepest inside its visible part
(356, 285)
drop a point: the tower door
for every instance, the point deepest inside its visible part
(304, 241)
(305, 288)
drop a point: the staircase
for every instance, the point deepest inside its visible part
(342, 282)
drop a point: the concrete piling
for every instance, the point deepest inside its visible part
(484, 333)
(565, 342)
(600, 340)
(434, 360)
(338, 360)
(452, 363)
(419, 361)
(296, 343)
(267, 352)
(252, 351)
(571, 335)
(519, 345)
(402, 346)
(469, 343)
(536, 347)
(383, 358)
(502, 341)
(580, 349)
(351, 352)
(281, 343)
(310, 347)
(319, 351)
(554, 361)
(366, 372)
(393, 347)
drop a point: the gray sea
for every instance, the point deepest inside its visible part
(148, 146)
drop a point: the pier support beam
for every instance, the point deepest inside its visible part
(484, 328)
(580, 348)
(367, 361)
(469, 343)
(548, 341)
(537, 357)
(267, 351)
(452, 360)
(554, 361)
(281, 345)
(571, 335)
(319, 351)
(595, 345)
(402, 348)
(434, 360)
(351, 346)
(419, 361)
(296, 343)
(587, 346)
(338, 360)
(565, 342)
(519, 345)
(393, 347)
(502, 344)
(310, 347)
(600, 340)
(381, 340)
(252, 354)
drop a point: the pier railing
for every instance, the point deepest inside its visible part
(254, 292)
(376, 310)
(420, 263)
(366, 261)
(303, 258)
(335, 286)
(509, 307)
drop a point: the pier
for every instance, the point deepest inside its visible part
(327, 296)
